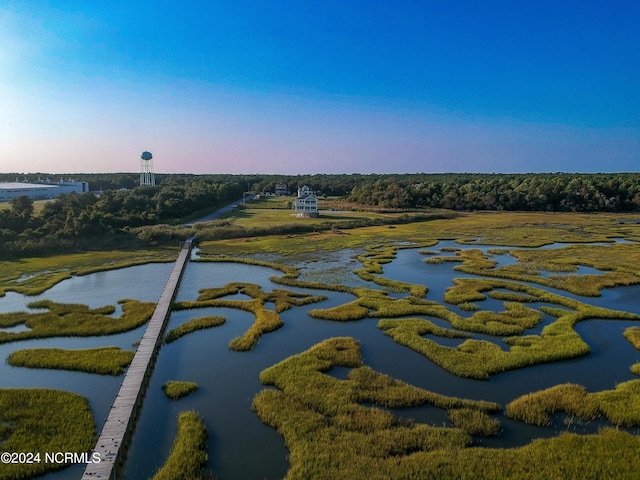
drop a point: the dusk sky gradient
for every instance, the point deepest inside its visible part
(332, 86)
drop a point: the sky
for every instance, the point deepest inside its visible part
(320, 86)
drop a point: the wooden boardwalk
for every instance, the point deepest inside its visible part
(117, 430)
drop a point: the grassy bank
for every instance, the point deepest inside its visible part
(620, 406)
(266, 320)
(617, 263)
(326, 426)
(189, 452)
(32, 276)
(104, 361)
(515, 319)
(494, 228)
(201, 323)
(479, 359)
(376, 256)
(633, 335)
(39, 421)
(331, 435)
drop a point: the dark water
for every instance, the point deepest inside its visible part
(240, 446)
(144, 283)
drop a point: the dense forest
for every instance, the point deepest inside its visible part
(557, 192)
(75, 221)
(117, 205)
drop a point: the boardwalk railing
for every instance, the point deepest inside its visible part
(116, 433)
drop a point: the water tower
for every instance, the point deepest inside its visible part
(146, 169)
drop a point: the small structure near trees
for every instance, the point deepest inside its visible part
(280, 189)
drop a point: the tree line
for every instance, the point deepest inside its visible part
(80, 220)
(108, 215)
(556, 192)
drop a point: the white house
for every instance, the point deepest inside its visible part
(306, 202)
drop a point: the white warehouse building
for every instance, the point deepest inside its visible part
(40, 190)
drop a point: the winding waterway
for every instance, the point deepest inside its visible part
(240, 446)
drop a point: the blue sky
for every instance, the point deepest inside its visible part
(328, 86)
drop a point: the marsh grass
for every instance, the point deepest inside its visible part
(472, 258)
(295, 237)
(376, 256)
(104, 361)
(498, 251)
(478, 359)
(175, 390)
(439, 260)
(633, 335)
(469, 307)
(324, 424)
(377, 304)
(32, 276)
(410, 327)
(512, 297)
(512, 321)
(616, 261)
(39, 421)
(286, 269)
(608, 454)
(342, 313)
(201, 323)
(330, 434)
(615, 258)
(536, 408)
(266, 320)
(74, 320)
(188, 455)
(372, 262)
(474, 422)
(531, 229)
(465, 291)
(620, 406)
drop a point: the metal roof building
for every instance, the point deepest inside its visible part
(38, 191)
